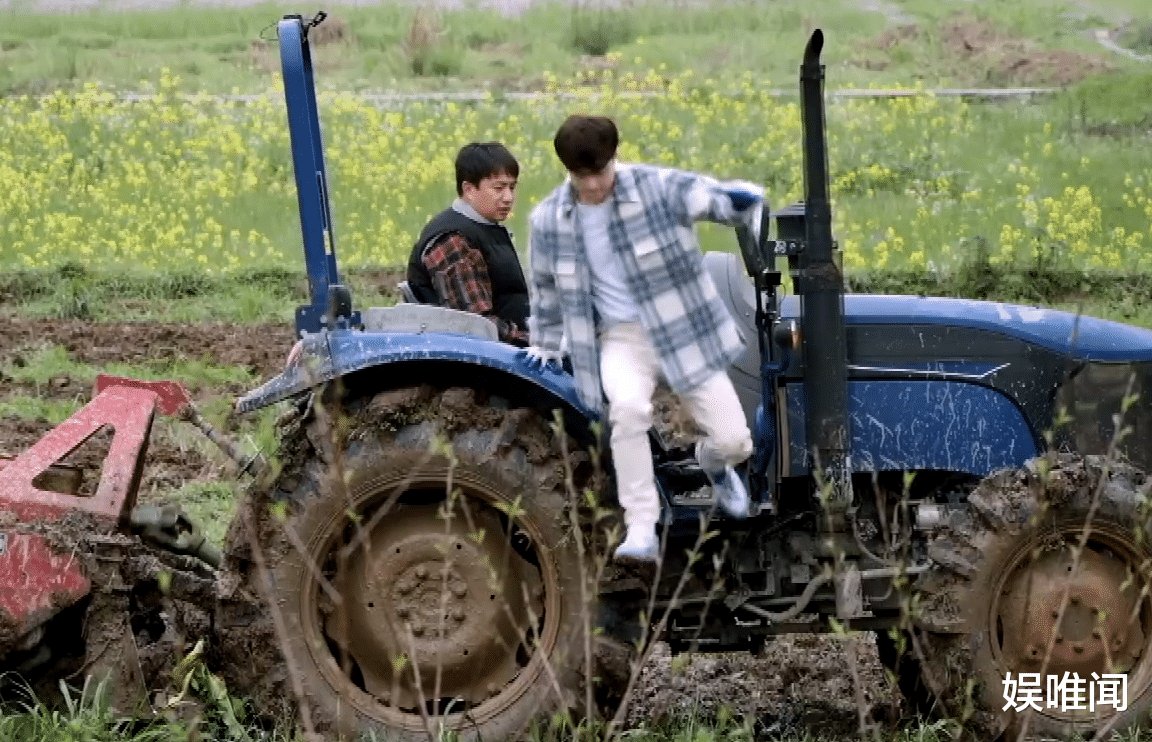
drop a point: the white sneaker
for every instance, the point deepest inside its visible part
(640, 545)
(731, 495)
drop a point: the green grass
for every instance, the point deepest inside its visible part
(75, 291)
(89, 721)
(262, 296)
(85, 716)
(209, 504)
(1137, 36)
(96, 301)
(23, 407)
(1110, 104)
(46, 363)
(43, 365)
(393, 46)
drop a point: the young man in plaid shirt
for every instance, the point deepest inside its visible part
(464, 258)
(616, 271)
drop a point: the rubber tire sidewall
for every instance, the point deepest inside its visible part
(508, 472)
(1116, 510)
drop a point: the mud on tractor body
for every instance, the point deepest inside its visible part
(963, 478)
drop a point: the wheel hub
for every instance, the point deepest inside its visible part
(1098, 630)
(435, 610)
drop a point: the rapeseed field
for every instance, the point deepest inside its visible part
(920, 182)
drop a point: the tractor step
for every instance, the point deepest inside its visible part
(689, 489)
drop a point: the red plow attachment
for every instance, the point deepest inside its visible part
(61, 546)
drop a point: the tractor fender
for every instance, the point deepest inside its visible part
(921, 425)
(332, 354)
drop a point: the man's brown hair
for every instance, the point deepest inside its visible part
(586, 143)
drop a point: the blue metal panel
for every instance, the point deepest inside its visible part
(764, 432)
(311, 174)
(1080, 336)
(923, 425)
(331, 354)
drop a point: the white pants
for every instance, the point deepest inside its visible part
(629, 372)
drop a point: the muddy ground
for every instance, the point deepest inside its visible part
(986, 55)
(813, 683)
(172, 462)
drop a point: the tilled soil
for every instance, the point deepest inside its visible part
(822, 685)
(260, 349)
(803, 684)
(991, 57)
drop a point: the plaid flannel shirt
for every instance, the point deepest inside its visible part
(652, 231)
(460, 277)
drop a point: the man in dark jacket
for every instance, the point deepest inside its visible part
(464, 258)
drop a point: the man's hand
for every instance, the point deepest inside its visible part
(537, 357)
(750, 203)
(753, 217)
(294, 354)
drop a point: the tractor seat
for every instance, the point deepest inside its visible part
(739, 297)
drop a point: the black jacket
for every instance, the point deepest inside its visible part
(509, 289)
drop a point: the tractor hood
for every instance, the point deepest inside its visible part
(921, 329)
(1040, 359)
(1066, 333)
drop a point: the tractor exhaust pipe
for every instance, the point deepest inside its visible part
(820, 286)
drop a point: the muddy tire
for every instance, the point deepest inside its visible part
(397, 620)
(1011, 591)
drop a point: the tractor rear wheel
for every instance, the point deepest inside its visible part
(1035, 599)
(428, 572)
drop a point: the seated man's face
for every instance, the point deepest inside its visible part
(493, 198)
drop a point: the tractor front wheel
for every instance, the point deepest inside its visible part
(1037, 618)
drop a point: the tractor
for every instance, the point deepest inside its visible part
(427, 550)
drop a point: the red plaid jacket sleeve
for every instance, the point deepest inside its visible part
(460, 277)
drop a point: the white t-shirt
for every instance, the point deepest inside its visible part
(610, 294)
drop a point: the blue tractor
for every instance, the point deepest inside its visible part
(962, 478)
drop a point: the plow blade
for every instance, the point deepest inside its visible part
(79, 593)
